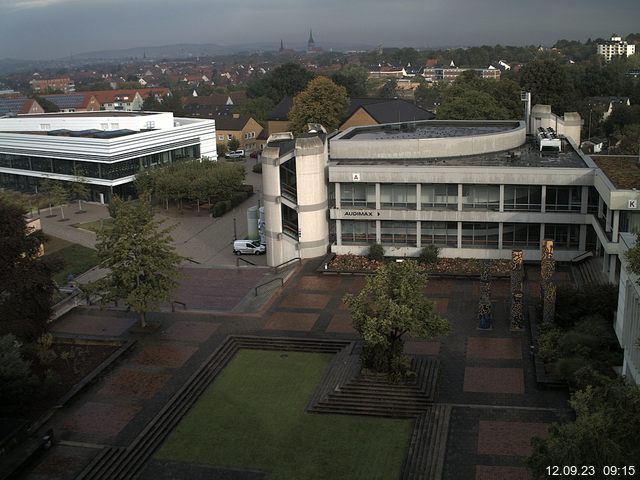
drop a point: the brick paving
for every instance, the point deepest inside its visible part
(494, 380)
(508, 438)
(489, 472)
(494, 348)
(491, 371)
(62, 461)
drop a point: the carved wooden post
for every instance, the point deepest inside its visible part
(547, 287)
(484, 305)
(517, 277)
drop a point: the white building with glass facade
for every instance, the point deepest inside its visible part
(106, 149)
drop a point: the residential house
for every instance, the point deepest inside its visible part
(64, 84)
(608, 104)
(375, 111)
(19, 105)
(243, 128)
(74, 102)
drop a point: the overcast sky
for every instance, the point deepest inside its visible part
(45, 29)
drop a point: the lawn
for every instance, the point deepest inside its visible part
(96, 225)
(74, 258)
(253, 417)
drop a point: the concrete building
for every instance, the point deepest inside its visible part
(615, 47)
(448, 74)
(106, 148)
(64, 84)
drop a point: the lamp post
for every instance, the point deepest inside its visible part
(235, 232)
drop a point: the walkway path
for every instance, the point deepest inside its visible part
(487, 377)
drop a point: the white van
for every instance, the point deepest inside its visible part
(249, 247)
(234, 154)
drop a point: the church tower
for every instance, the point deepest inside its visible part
(311, 45)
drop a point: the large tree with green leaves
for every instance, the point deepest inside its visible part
(354, 79)
(549, 84)
(321, 102)
(142, 262)
(26, 285)
(287, 80)
(604, 433)
(391, 305)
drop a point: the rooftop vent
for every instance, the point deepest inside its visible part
(548, 140)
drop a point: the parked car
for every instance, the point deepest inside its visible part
(249, 247)
(234, 154)
(255, 154)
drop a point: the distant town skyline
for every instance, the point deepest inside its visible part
(49, 29)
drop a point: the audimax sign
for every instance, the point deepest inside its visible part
(361, 213)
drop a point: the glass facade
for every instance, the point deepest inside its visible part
(290, 221)
(398, 195)
(358, 232)
(563, 199)
(398, 233)
(521, 235)
(102, 170)
(358, 195)
(288, 181)
(565, 237)
(481, 197)
(484, 235)
(442, 234)
(523, 198)
(439, 196)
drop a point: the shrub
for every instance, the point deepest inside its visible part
(219, 209)
(238, 197)
(257, 168)
(16, 380)
(376, 252)
(246, 188)
(429, 254)
(574, 304)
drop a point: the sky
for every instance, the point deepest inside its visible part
(49, 29)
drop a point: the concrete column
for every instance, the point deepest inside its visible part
(418, 196)
(418, 234)
(459, 200)
(613, 261)
(600, 206)
(378, 202)
(582, 245)
(584, 201)
(378, 233)
(608, 221)
(339, 233)
(337, 193)
(543, 199)
(541, 233)
(459, 232)
(616, 225)
(500, 232)
(501, 208)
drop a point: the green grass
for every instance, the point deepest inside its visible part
(73, 258)
(253, 417)
(96, 225)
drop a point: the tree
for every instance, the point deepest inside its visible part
(604, 433)
(471, 105)
(633, 257)
(79, 190)
(391, 305)
(47, 105)
(429, 96)
(548, 84)
(286, 80)
(142, 262)
(16, 380)
(233, 144)
(354, 79)
(388, 90)
(257, 108)
(321, 102)
(26, 286)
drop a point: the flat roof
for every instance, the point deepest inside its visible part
(527, 155)
(623, 171)
(428, 129)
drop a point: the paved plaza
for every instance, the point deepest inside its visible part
(486, 376)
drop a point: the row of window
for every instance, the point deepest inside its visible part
(481, 197)
(445, 234)
(107, 171)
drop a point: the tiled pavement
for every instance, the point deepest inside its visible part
(487, 376)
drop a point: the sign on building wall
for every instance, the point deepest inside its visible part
(361, 213)
(632, 204)
(355, 177)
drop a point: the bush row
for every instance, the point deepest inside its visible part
(220, 208)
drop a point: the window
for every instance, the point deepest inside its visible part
(230, 136)
(104, 126)
(439, 196)
(482, 197)
(356, 232)
(480, 235)
(221, 138)
(289, 221)
(522, 198)
(288, 180)
(398, 233)
(358, 195)
(45, 126)
(563, 199)
(398, 195)
(521, 235)
(565, 237)
(442, 234)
